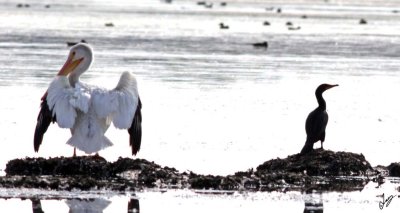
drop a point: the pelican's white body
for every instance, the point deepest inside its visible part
(88, 110)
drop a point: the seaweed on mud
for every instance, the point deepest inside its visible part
(315, 170)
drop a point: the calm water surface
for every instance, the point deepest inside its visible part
(212, 103)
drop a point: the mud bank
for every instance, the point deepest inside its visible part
(322, 170)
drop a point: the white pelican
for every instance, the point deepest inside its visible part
(89, 110)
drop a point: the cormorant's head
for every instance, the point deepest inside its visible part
(321, 88)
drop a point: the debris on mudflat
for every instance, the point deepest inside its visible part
(320, 169)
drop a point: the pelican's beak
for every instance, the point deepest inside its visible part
(69, 65)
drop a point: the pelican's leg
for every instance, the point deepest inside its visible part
(74, 152)
(322, 145)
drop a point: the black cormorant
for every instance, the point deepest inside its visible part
(317, 120)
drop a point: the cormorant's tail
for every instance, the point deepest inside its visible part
(307, 148)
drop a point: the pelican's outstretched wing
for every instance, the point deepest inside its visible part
(124, 107)
(59, 105)
(44, 119)
(63, 100)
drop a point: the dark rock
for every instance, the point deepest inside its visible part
(321, 163)
(317, 170)
(58, 166)
(394, 169)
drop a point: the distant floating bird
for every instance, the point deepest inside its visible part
(223, 26)
(304, 16)
(294, 28)
(363, 21)
(266, 23)
(289, 23)
(110, 24)
(23, 5)
(279, 10)
(89, 110)
(317, 120)
(223, 4)
(71, 43)
(261, 44)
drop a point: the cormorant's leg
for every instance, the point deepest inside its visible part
(322, 145)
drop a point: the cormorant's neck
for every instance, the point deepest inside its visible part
(321, 101)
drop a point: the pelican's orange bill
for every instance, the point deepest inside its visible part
(69, 66)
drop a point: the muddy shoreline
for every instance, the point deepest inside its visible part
(321, 170)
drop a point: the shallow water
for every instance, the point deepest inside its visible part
(211, 102)
(201, 201)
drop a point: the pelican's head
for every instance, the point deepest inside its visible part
(79, 59)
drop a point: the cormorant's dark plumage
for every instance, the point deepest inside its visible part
(317, 120)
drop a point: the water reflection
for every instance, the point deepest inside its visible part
(133, 206)
(92, 205)
(96, 205)
(313, 202)
(36, 206)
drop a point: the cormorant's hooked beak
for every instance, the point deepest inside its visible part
(332, 85)
(69, 65)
